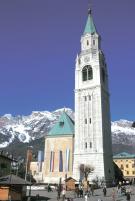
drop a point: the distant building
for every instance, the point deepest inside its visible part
(5, 164)
(12, 187)
(37, 174)
(126, 162)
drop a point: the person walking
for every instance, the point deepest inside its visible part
(63, 193)
(92, 190)
(104, 191)
(89, 191)
(128, 196)
(58, 192)
(113, 194)
(86, 197)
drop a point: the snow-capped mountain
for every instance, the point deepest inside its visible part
(35, 126)
(28, 128)
(123, 132)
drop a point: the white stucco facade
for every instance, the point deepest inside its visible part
(93, 145)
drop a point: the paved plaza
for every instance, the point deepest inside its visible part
(98, 195)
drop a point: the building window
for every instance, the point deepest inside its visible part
(127, 172)
(126, 165)
(89, 98)
(52, 161)
(79, 61)
(34, 173)
(85, 98)
(67, 165)
(121, 167)
(87, 43)
(133, 165)
(90, 120)
(3, 165)
(85, 121)
(87, 73)
(90, 144)
(93, 42)
(60, 161)
(85, 145)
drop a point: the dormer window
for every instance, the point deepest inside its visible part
(94, 42)
(61, 123)
(87, 43)
(87, 73)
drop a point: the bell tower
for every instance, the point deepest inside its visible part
(93, 144)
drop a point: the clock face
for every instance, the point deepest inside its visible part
(86, 59)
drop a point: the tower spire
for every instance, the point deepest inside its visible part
(90, 26)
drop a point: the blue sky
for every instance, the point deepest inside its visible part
(39, 40)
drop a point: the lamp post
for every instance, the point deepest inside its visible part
(28, 160)
(30, 184)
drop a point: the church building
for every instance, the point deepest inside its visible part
(88, 142)
(59, 145)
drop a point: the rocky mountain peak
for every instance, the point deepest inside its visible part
(25, 129)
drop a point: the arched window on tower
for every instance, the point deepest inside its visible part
(87, 73)
(90, 144)
(93, 42)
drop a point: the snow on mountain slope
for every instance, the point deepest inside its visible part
(27, 128)
(123, 132)
(39, 123)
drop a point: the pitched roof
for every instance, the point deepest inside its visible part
(12, 179)
(64, 126)
(69, 178)
(90, 26)
(123, 155)
(6, 157)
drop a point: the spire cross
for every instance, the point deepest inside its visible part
(89, 7)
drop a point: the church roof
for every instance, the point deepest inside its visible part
(64, 126)
(90, 27)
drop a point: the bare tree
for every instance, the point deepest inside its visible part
(86, 170)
